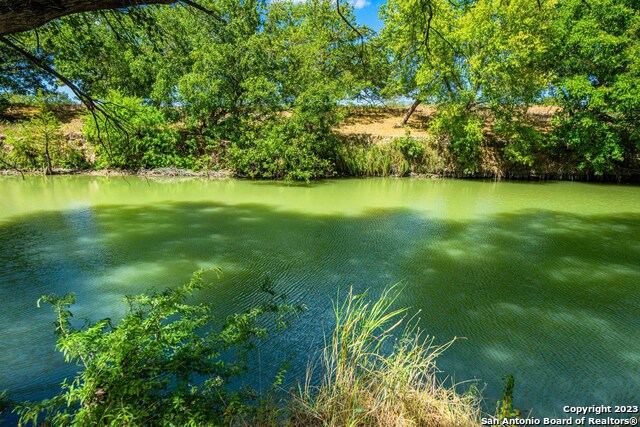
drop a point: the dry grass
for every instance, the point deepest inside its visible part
(384, 122)
(372, 378)
(380, 123)
(69, 115)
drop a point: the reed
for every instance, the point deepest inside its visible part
(398, 157)
(378, 369)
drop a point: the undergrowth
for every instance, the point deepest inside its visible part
(366, 384)
(162, 365)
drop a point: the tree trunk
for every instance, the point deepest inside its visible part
(23, 15)
(47, 158)
(410, 112)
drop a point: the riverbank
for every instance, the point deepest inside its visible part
(368, 141)
(360, 381)
(160, 172)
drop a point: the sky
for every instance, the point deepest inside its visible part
(366, 12)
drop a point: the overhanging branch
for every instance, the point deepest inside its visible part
(19, 15)
(95, 108)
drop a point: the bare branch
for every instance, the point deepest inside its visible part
(214, 15)
(12, 166)
(354, 29)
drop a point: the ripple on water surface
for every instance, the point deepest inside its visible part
(541, 280)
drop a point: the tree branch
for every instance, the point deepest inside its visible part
(20, 15)
(82, 96)
(354, 29)
(94, 107)
(205, 10)
(12, 166)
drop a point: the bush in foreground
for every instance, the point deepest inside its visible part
(168, 363)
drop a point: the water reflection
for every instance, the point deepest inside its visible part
(548, 296)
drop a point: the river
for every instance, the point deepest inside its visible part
(541, 280)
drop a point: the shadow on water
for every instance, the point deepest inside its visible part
(291, 184)
(550, 297)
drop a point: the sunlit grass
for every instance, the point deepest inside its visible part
(378, 369)
(398, 157)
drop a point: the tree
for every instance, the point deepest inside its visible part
(38, 143)
(18, 76)
(107, 50)
(598, 83)
(469, 58)
(406, 34)
(234, 82)
(17, 16)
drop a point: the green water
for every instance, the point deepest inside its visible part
(542, 279)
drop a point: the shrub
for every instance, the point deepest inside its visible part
(356, 159)
(396, 158)
(134, 136)
(462, 129)
(504, 406)
(283, 148)
(412, 149)
(599, 146)
(39, 143)
(161, 365)
(299, 146)
(422, 156)
(278, 149)
(4, 103)
(521, 140)
(169, 363)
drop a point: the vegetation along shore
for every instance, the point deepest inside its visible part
(301, 91)
(545, 89)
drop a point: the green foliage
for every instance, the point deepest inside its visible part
(504, 407)
(193, 91)
(298, 147)
(282, 149)
(106, 50)
(410, 148)
(420, 154)
(462, 130)
(598, 145)
(469, 52)
(519, 139)
(18, 75)
(370, 159)
(482, 62)
(44, 100)
(165, 363)
(39, 143)
(598, 84)
(137, 136)
(4, 103)
(5, 404)
(398, 157)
